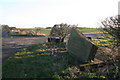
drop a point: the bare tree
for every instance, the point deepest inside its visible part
(111, 25)
(60, 30)
(5, 27)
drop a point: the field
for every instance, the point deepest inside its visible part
(103, 41)
(35, 61)
(90, 30)
(43, 30)
(53, 61)
(48, 60)
(11, 45)
(83, 30)
(39, 61)
(46, 32)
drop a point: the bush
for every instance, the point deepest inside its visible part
(111, 25)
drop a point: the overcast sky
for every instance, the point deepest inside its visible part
(46, 13)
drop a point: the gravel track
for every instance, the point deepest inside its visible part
(10, 45)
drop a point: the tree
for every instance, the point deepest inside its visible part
(5, 27)
(60, 30)
(111, 25)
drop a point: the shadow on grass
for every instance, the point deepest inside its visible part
(37, 61)
(44, 61)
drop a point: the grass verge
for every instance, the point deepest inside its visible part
(43, 61)
(36, 61)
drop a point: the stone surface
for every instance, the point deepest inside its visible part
(80, 47)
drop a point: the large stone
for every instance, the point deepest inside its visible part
(79, 46)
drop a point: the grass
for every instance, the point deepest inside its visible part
(90, 30)
(41, 61)
(47, 31)
(37, 61)
(103, 41)
(42, 30)
(83, 30)
(24, 35)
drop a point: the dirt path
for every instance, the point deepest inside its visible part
(13, 44)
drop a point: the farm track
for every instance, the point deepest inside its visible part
(11, 45)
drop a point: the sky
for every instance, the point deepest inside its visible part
(47, 13)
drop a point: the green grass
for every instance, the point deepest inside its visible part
(24, 35)
(90, 30)
(37, 61)
(45, 31)
(83, 30)
(103, 41)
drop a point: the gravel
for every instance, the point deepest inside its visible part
(11, 45)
